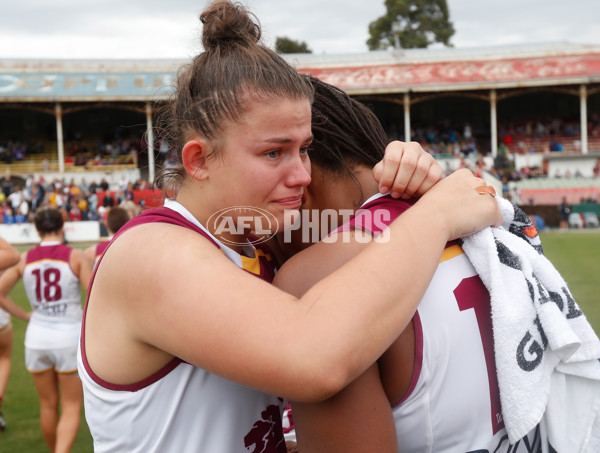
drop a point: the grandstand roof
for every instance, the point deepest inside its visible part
(393, 71)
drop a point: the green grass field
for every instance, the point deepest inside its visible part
(576, 255)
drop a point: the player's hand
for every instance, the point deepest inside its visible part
(406, 170)
(459, 204)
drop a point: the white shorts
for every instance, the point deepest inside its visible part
(4, 320)
(45, 335)
(61, 360)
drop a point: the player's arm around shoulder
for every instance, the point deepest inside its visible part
(303, 270)
(358, 418)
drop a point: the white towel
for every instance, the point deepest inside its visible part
(546, 351)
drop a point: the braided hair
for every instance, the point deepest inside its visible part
(346, 132)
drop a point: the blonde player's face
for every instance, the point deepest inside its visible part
(326, 200)
(264, 161)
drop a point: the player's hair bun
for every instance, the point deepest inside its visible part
(48, 224)
(228, 24)
(48, 220)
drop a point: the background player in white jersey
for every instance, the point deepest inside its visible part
(8, 257)
(115, 219)
(168, 307)
(53, 275)
(435, 388)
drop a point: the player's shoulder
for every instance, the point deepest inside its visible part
(90, 251)
(314, 263)
(155, 247)
(160, 234)
(77, 253)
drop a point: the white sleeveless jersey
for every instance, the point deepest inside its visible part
(453, 402)
(54, 293)
(52, 287)
(181, 408)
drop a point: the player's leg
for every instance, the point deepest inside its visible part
(6, 341)
(71, 399)
(46, 384)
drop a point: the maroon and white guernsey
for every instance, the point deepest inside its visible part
(181, 408)
(453, 402)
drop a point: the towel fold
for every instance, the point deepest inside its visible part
(546, 351)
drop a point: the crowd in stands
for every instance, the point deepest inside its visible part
(442, 138)
(91, 200)
(521, 136)
(555, 135)
(98, 153)
(514, 137)
(80, 201)
(16, 150)
(525, 136)
(77, 202)
(80, 153)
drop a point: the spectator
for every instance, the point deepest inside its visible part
(104, 184)
(74, 212)
(8, 213)
(565, 210)
(82, 203)
(467, 134)
(128, 192)
(16, 198)
(555, 146)
(108, 201)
